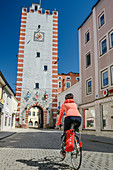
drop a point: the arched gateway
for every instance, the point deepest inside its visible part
(42, 115)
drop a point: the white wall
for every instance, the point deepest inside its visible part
(75, 90)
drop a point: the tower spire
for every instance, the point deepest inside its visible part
(40, 2)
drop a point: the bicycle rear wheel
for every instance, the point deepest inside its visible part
(76, 157)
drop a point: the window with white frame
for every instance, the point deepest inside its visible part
(77, 78)
(111, 39)
(103, 46)
(68, 78)
(87, 36)
(89, 86)
(68, 84)
(89, 118)
(59, 84)
(111, 75)
(101, 19)
(33, 113)
(104, 77)
(29, 114)
(59, 77)
(88, 60)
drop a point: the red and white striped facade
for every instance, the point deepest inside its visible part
(21, 58)
(21, 75)
(55, 65)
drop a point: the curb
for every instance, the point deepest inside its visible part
(7, 135)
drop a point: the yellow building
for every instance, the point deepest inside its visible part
(33, 117)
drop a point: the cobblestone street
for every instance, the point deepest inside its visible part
(39, 150)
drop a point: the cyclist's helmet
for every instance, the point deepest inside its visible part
(69, 96)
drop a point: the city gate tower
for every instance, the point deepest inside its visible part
(37, 71)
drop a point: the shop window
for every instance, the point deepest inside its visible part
(30, 123)
(104, 77)
(107, 116)
(36, 123)
(9, 122)
(111, 75)
(5, 121)
(59, 84)
(88, 60)
(68, 84)
(88, 86)
(103, 46)
(101, 19)
(89, 118)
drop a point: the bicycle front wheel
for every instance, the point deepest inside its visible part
(76, 157)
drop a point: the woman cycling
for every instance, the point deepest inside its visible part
(71, 114)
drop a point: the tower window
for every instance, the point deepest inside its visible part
(45, 68)
(35, 8)
(37, 85)
(38, 26)
(38, 54)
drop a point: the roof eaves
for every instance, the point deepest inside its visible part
(88, 15)
(6, 82)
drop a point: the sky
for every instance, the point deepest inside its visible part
(71, 15)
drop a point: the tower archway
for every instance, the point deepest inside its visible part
(35, 116)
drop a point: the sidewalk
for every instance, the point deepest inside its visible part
(100, 139)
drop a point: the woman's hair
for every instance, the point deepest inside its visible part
(69, 96)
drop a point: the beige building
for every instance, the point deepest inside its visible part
(34, 117)
(96, 69)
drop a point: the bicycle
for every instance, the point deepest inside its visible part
(76, 154)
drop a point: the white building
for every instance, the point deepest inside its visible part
(37, 64)
(9, 105)
(75, 90)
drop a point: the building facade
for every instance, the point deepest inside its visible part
(96, 69)
(37, 64)
(67, 80)
(75, 90)
(8, 105)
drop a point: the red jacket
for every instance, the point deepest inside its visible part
(70, 108)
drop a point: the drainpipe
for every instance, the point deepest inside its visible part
(63, 85)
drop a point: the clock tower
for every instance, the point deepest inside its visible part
(37, 71)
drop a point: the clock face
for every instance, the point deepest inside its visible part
(39, 36)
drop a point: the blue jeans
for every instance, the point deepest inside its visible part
(71, 119)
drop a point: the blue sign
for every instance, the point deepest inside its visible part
(58, 107)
